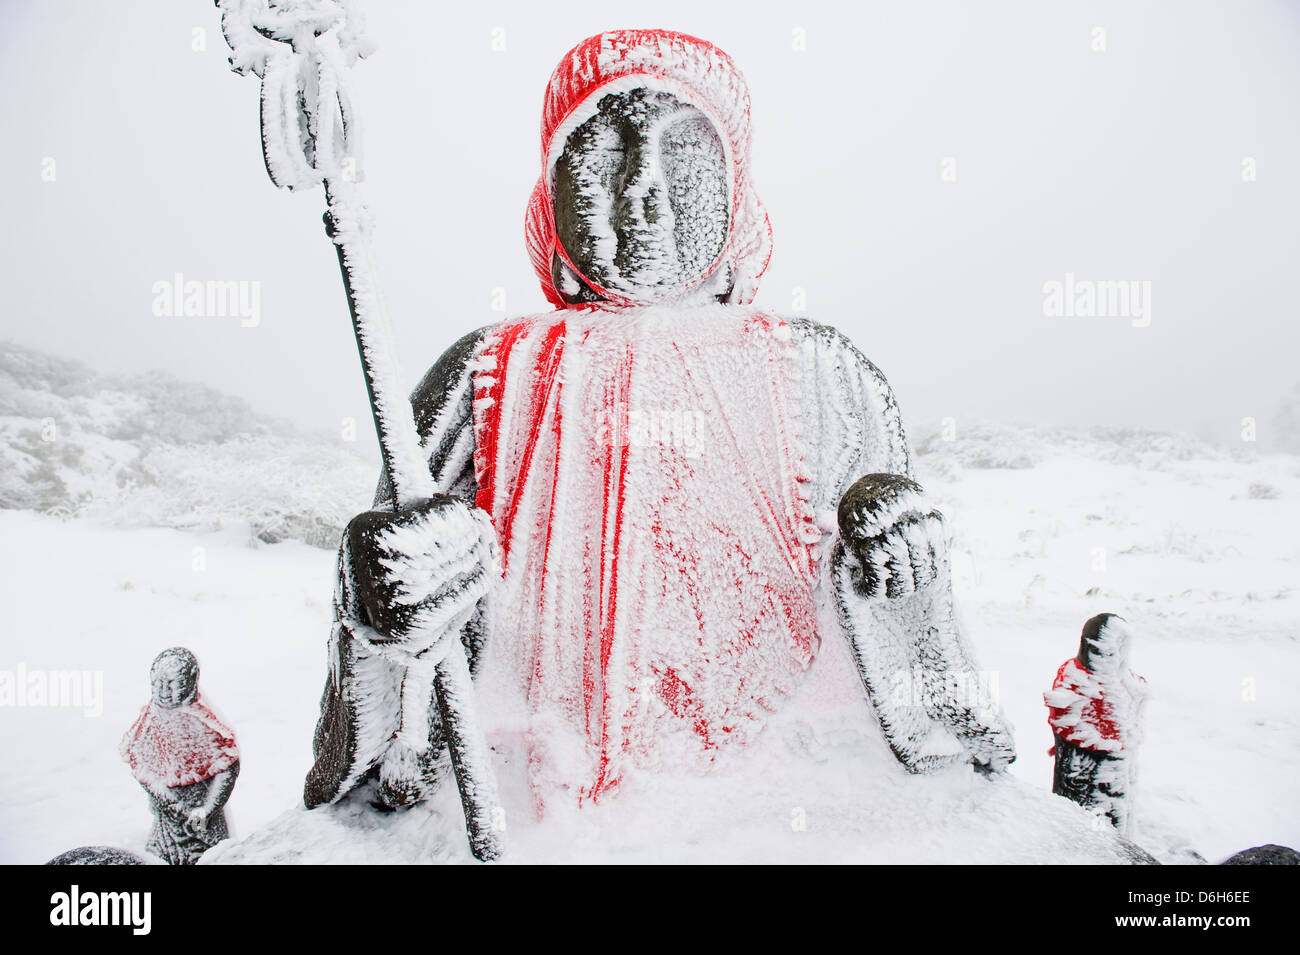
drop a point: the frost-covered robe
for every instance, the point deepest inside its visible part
(644, 477)
(1092, 712)
(849, 425)
(171, 838)
(1094, 715)
(182, 749)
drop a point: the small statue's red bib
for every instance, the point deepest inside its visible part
(178, 746)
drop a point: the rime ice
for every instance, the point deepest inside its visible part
(1095, 707)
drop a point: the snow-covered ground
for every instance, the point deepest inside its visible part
(1195, 546)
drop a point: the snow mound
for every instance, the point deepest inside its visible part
(818, 785)
(806, 795)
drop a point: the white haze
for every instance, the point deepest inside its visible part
(1117, 165)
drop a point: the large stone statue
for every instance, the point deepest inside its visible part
(185, 758)
(645, 493)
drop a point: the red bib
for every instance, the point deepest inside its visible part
(178, 746)
(642, 471)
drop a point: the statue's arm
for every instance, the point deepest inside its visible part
(219, 789)
(848, 412)
(443, 405)
(361, 706)
(162, 796)
(889, 567)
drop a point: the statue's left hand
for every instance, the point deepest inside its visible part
(197, 820)
(898, 542)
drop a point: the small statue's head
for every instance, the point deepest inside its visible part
(174, 677)
(1104, 644)
(644, 196)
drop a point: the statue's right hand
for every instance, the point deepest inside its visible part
(416, 568)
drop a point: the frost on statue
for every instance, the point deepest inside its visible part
(185, 758)
(1095, 709)
(645, 493)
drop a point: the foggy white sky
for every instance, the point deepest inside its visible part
(1116, 165)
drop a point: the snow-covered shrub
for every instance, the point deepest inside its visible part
(1259, 491)
(978, 445)
(983, 445)
(156, 450)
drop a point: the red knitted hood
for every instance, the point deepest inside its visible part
(697, 72)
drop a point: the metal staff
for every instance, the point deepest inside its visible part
(301, 50)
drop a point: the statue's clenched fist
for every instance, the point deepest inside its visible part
(898, 545)
(418, 568)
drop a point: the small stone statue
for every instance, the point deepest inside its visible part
(1094, 709)
(185, 758)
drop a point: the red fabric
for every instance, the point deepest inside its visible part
(706, 77)
(1093, 724)
(178, 746)
(1097, 713)
(656, 602)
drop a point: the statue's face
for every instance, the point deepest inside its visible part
(174, 679)
(1107, 646)
(642, 198)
